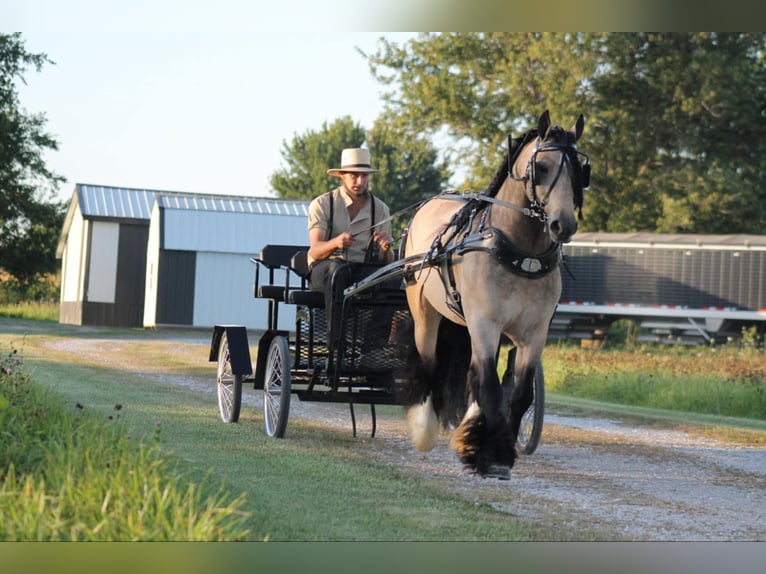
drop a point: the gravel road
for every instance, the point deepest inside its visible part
(634, 483)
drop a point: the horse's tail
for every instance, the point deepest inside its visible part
(447, 383)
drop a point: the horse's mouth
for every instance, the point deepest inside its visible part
(561, 234)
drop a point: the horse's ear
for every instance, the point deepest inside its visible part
(543, 124)
(578, 126)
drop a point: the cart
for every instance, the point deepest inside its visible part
(359, 360)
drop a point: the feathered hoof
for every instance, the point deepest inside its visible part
(424, 425)
(481, 449)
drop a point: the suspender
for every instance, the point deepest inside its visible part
(332, 213)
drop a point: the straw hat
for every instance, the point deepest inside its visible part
(356, 160)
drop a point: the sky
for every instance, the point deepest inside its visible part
(187, 96)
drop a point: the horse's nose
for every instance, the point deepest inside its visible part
(562, 232)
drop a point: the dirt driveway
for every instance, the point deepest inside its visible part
(629, 482)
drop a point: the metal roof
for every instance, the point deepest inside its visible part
(667, 240)
(129, 203)
(233, 204)
(115, 202)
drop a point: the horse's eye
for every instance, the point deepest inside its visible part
(540, 171)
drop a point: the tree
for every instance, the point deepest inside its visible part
(29, 219)
(672, 119)
(410, 166)
(309, 156)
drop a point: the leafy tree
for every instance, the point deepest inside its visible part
(672, 119)
(29, 219)
(410, 166)
(309, 156)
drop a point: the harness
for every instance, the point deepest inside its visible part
(468, 231)
(460, 237)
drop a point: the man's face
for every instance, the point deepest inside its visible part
(356, 183)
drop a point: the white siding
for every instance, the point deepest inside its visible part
(152, 268)
(221, 232)
(72, 266)
(223, 293)
(102, 271)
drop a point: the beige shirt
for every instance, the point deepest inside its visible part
(319, 217)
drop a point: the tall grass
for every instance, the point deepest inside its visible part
(34, 310)
(726, 381)
(69, 476)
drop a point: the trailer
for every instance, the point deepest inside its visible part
(680, 289)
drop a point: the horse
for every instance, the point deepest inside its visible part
(490, 269)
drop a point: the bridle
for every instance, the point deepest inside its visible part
(531, 178)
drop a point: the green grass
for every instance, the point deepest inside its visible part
(726, 381)
(34, 310)
(319, 484)
(71, 475)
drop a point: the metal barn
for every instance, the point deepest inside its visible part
(199, 271)
(138, 257)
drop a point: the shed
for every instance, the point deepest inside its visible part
(102, 248)
(139, 257)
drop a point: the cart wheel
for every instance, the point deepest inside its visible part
(276, 388)
(532, 422)
(228, 384)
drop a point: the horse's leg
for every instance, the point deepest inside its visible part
(421, 416)
(482, 440)
(522, 394)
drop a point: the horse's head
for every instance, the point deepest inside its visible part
(553, 176)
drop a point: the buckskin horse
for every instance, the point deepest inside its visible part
(491, 268)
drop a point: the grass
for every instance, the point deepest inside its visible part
(69, 475)
(34, 310)
(725, 381)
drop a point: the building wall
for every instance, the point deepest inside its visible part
(199, 271)
(73, 260)
(223, 293)
(697, 278)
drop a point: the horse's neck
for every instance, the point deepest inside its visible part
(527, 233)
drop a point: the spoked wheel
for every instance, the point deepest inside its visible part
(532, 422)
(276, 388)
(228, 384)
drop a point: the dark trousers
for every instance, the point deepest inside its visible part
(322, 273)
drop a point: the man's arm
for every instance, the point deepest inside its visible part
(320, 249)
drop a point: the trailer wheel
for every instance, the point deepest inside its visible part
(276, 388)
(228, 384)
(531, 427)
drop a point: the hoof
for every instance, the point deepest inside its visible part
(500, 472)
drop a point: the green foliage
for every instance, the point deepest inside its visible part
(309, 156)
(29, 220)
(74, 476)
(672, 119)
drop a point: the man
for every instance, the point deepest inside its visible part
(345, 222)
